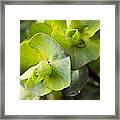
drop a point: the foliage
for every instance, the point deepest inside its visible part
(60, 59)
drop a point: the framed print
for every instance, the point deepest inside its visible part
(60, 59)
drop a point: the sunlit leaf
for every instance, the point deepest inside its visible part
(39, 27)
(43, 69)
(28, 73)
(47, 46)
(59, 24)
(28, 56)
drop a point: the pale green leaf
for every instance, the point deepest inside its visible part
(26, 95)
(44, 69)
(27, 74)
(86, 52)
(78, 81)
(47, 46)
(60, 76)
(39, 89)
(64, 41)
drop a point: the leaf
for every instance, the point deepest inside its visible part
(39, 89)
(28, 73)
(60, 77)
(55, 95)
(40, 27)
(74, 24)
(47, 46)
(64, 41)
(28, 56)
(85, 51)
(26, 95)
(43, 69)
(79, 78)
(92, 26)
(30, 82)
(59, 24)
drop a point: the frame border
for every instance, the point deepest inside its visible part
(117, 58)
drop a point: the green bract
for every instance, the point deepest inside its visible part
(80, 41)
(53, 70)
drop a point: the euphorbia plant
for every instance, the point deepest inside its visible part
(52, 71)
(55, 55)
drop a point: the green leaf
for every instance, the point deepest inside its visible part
(92, 26)
(59, 24)
(26, 95)
(86, 27)
(28, 73)
(85, 51)
(44, 69)
(60, 77)
(79, 78)
(40, 27)
(39, 89)
(64, 41)
(74, 24)
(29, 83)
(47, 46)
(55, 95)
(83, 55)
(28, 56)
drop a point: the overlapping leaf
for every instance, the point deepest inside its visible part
(79, 78)
(39, 89)
(28, 56)
(40, 27)
(60, 77)
(47, 46)
(82, 48)
(53, 70)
